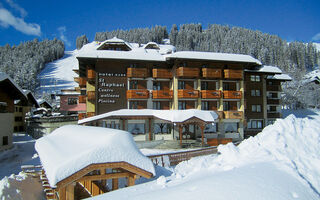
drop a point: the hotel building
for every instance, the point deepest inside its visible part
(119, 75)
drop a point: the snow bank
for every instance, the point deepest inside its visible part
(20, 187)
(282, 162)
(70, 148)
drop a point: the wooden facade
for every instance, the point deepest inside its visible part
(137, 94)
(162, 73)
(137, 72)
(211, 73)
(162, 94)
(188, 72)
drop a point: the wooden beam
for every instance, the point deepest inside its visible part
(70, 192)
(81, 173)
(115, 184)
(62, 193)
(131, 180)
(123, 124)
(180, 134)
(150, 136)
(202, 134)
(104, 176)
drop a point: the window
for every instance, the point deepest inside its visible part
(255, 78)
(231, 127)
(133, 105)
(156, 86)
(72, 101)
(256, 108)
(204, 105)
(181, 85)
(182, 105)
(3, 107)
(204, 85)
(5, 140)
(20, 109)
(133, 85)
(230, 105)
(255, 124)
(18, 119)
(157, 105)
(255, 93)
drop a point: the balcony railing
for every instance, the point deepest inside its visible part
(186, 94)
(274, 115)
(161, 73)
(210, 94)
(137, 72)
(233, 114)
(273, 101)
(188, 72)
(232, 94)
(82, 82)
(273, 88)
(91, 95)
(211, 73)
(91, 74)
(162, 94)
(137, 94)
(82, 98)
(232, 74)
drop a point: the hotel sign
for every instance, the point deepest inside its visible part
(111, 91)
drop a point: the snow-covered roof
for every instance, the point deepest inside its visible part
(174, 116)
(267, 69)
(313, 76)
(214, 56)
(71, 148)
(4, 76)
(282, 77)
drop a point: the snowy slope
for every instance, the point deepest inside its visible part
(317, 46)
(282, 162)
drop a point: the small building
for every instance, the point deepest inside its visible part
(148, 124)
(21, 108)
(69, 102)
(9, 92)
(84, 161)
(44, 104)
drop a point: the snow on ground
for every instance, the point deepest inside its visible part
(282, 162)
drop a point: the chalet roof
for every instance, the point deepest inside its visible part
(43, 101)
(174, 116)
(281, 77)
(31, 97)
(13, 88)
(197, 55)
(72, 148)
(266, 69)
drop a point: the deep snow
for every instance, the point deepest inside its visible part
(280, 163)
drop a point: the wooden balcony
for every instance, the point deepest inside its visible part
(273, 115)
(161, 73)
(188, 72)
(137, 72)
(273, 101)
(91, 95)
(211, 94)
(233, 74)
(275, 88)
(162, 94)
(188, 94)
(211, 73)
(82, 98)
(91, 74)
(137, 94)
(81, 116)
(232, 94)
(82, 82)
(233, 114)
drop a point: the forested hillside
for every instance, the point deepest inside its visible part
(25, 61)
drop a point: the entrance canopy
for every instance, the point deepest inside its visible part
(173, 116)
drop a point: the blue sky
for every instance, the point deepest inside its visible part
(22, 20)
